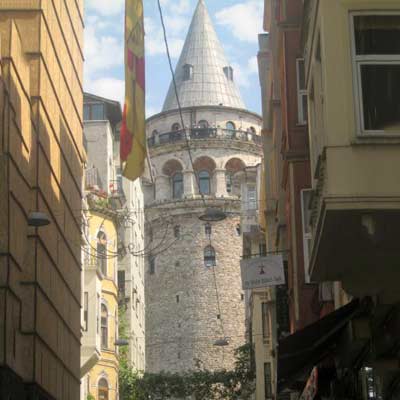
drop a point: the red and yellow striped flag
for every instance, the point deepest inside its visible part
(133, 130)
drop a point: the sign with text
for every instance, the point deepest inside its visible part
(311, 389)
(262, 272)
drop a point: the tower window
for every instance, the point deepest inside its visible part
(230, 126)
(204, 182)
(203, 124)
(229, 185)
(177, 231)
(152, 265)
(228, 71)
(177, 186)
(175, 127)
(209, 257)
(187, 72)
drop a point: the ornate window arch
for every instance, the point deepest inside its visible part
(209, 257)
(104, 326)
(175, 127)
(230, 126)
(101, 255)
(103, 389)
(204, 124)
(232, 167)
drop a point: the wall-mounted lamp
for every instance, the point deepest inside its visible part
(38, 219)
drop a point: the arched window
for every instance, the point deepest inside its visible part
(104, 327)
(229, 183)
(203, 124)
(175, 127)
(102, 252)
(187, 72)
(204, 182)
(209, 257)
(230, 126)
(177, 186)
(154, 133)
(103, 389)
(252, 129)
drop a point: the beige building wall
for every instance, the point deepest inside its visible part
(103, 376)
(41, 156)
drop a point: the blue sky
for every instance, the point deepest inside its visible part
(237, 24)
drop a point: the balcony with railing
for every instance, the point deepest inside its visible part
(204, 133)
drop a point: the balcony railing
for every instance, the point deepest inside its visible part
(204, 133)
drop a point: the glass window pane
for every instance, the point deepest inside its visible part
(301, 74)
(381, 97)
(377, 34)
(177, 182)
(204, 181)
(86, 112)
(97, 112)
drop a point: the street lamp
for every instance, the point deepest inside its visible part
(213, 215)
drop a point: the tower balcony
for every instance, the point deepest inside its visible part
(204, 133)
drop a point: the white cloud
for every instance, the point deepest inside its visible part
(106, 7)
(243, 73)
(244, 20)
(155, 40)
(110, 88)
(102, 51)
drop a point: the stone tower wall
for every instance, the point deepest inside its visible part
(182, 321)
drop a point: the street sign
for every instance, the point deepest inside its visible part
(262, 272)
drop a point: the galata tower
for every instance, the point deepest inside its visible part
(193, 287)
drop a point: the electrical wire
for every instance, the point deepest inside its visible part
(188, 146)
(178, 100)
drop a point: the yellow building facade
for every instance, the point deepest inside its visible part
(101, 306)
(41, 163)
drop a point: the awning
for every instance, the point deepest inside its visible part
(300, 352)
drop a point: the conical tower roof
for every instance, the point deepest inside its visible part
(203, 74)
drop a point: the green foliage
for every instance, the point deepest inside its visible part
(90, 397)
(201, 384)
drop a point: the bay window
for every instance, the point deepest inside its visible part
(376, 53)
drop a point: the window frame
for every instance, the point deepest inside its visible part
(251, 203)
(268, 389)
(370, 59)
(302, 116)
(265, 320)
(152, 265)
(104, 327)
(85, 311)
(210, 259)
(174, 182)
(103, 390)
(233, 126)
(203, 179)
(306, 236)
